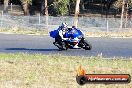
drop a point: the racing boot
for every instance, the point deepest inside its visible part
(58, 45)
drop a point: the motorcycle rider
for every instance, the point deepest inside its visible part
(61, 32)
(73, 38)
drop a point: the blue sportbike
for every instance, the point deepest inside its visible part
(75, 40)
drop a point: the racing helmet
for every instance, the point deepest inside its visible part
(64, 26)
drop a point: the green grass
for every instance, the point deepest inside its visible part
(56, 71)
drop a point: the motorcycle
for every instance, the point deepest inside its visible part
(75, 40)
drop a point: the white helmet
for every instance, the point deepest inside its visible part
(64, 25)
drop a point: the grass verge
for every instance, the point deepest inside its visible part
(56, 71)
(23, 31)
(122, 34)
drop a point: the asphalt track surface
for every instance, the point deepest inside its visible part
(108, 47)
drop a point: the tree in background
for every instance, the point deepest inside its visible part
(61, 7)
(25, 5)
(46, 7)
(77, 11)
(6, 6)
(123, 6)
(118, 3)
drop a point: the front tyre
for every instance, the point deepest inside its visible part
(86, 45)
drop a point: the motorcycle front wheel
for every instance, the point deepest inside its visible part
(86, 45)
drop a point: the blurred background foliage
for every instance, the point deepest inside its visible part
(67, 7)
